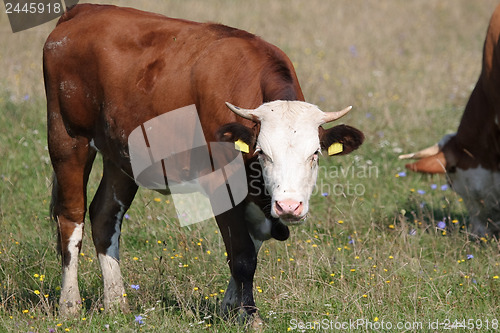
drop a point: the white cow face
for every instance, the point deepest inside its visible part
(288, 146)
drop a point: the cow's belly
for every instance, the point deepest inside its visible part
(480, 190)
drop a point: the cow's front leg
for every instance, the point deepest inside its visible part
(242, 261)
(243, 233)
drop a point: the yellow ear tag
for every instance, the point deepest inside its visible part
(335, 148)
(241, 146)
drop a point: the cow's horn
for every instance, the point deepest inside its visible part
(245, 113)
(429, 151)
(331, 116)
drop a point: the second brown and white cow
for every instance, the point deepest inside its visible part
(109, 70)
(471, 156)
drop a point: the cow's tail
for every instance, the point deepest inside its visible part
(52, 213)
(53, 197)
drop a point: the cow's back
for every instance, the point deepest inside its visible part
(111, 69)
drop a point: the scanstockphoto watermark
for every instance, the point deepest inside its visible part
(211, 176)
(353, 324)
(361, 324)
(366, 325)
(332, 180)
(26, 14)
(344, 180)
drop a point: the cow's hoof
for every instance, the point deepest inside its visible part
(119, 305)
(255, 323)
(68, 309)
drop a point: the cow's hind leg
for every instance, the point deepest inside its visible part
(72, 161)
(114, 196)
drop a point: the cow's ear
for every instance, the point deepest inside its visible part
(242, 136)
(340, 140)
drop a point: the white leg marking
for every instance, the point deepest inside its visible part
(114, 249)
(92, 144)
(110, 266)
(70, 294)
(113, 285)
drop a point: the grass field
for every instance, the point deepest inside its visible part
(380, 246)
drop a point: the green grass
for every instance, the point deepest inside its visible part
(372, 251)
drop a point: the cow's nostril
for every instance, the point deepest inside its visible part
(277, 208)
(299, 209)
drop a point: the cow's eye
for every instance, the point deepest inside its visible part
(262, 155)
(313, 160)
(315, 156)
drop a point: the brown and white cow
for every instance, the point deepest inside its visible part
(108, 70)
(471, 156)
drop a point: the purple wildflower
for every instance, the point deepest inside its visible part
(134, 286)
(441, 225)
(434, 186)
(325, 194)
(470, 256)
(402, 174)
(353, 50)
(420, 191)
(139, 319)
(126, 216)
(444, 187)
